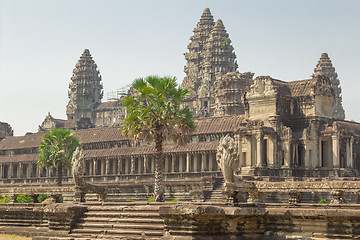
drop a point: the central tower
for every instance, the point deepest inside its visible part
(210, 55)
(85, 91)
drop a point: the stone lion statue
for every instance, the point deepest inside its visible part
(81, 186)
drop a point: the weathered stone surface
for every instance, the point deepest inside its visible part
(267, 222)
(37, 219)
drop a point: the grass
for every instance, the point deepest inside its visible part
(13, 237)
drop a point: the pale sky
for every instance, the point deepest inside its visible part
(41, 41)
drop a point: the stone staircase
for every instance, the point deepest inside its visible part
(113, 221)
(216, 195)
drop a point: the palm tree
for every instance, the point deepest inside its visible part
(154, 114)
(56, 149)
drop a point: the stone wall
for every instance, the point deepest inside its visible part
(261, 222)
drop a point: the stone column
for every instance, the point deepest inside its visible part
(211, 162)
(146, 163)
(166, 157)
(139, 164)
(287, 153)
(272, 151)
(173, 159)
(335, 151)
(119, 165)
(259, 149)
(181, 162)
(188, 158)
(132, 164)
(349, 152)
(241, 160)
(38, 170)
(107, 166)
(203, 161)
(307, 162)
(19, 168)
(94, 167)
(1, 170)
(249, 160)
(152, 164)
(28, 170)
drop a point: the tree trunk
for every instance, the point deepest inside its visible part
(59, 174)
(158, 188)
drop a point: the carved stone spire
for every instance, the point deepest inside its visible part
(210, 53)
(85, 89)
(325, 68)
(196, 47)
(219, 53)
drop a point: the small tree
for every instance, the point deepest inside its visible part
(154, 114)
(56, 149)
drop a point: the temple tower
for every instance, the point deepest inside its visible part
(85, 90)
(210, 53)
(219, 58)
(325, 68)
(194, 57)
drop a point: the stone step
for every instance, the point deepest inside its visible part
(126, 220)
(142, 208)
(122, 214)
(104, 225)
(123, 233)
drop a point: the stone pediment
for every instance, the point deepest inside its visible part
(264, 86)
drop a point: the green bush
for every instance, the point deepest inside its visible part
(174, 200)
(323, 201)
(23, 198)
(129, 200)
(42, 197)
(150, 199)
(5, 199)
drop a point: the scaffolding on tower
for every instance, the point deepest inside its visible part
(118, 93)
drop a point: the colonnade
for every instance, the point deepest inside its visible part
(259, 150)
(186, 162)
(26, 170)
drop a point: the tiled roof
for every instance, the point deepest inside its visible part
(350, 127)
(125, 151)
(19, 158)
(217, 124)
(103, 134)
(107, 134)
(150, 150)
(282, 87)
(302, 87)
(21, 142)
(86, 136)
(109, 105)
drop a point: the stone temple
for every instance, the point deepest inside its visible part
(284, 128)
(292, 139)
